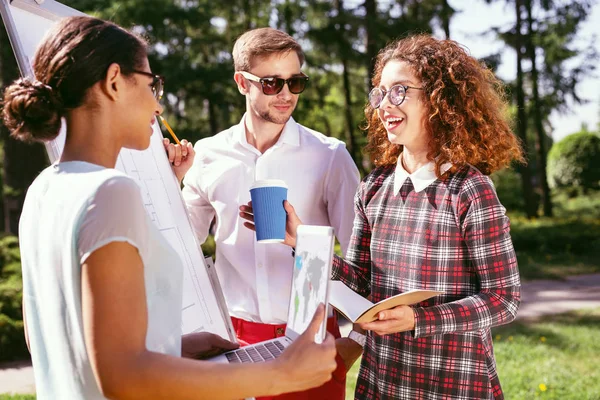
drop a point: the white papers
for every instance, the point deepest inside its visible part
(26, 24)
(348, 302)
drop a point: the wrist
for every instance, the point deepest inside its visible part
(358, 337)
(281, 379)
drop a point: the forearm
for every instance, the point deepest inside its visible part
(351, 276)
(159, 376)
(491, 307)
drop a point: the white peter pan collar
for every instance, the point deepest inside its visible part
(420, 179)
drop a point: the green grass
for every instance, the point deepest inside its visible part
(17, 397)
(554, 358)
(351, 380)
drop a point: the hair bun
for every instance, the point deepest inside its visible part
(32, 111)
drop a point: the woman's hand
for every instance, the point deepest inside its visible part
(181, 156)
(306, 364)
(394, 320)
(202, 345)
(291, 225)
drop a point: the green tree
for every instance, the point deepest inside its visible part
(574, 162)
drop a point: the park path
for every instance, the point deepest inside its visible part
(538, 298)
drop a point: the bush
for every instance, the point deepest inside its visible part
(508, 187)
(574, 163)
(555, 236)
(12, 336)
(12, 339)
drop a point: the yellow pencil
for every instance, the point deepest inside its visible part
(169, 129)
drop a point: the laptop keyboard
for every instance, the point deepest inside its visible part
(256, 353)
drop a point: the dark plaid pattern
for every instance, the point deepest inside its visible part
(454, 237)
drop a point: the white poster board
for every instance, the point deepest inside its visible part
(203, 307)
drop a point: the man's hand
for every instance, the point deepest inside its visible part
(202, 345)
(349, 350)
(397, 319)
(181, 156)
(292, 222)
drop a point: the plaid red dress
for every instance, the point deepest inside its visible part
(453, 236)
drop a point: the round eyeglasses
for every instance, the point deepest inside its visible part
(272, 85)
(157, 85)
(396, 95)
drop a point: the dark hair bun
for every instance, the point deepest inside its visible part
(32, 111)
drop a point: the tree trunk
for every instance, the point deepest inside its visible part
(524, 170)
(212, 118)
(446, 18)
(537, 115)
(22, 162)
(248, 14)
(288, 17)
(371, 39)
(350, 140)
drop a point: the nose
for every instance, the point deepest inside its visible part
(159, 110)
(386, 103)
(285, 93)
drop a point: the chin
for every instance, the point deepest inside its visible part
(140, 145)
(393, 138)
(279, 119)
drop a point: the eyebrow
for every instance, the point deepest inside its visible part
(404, 82)
(279, 75)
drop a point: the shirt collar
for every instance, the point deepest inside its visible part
(420, 179)
(290, 134)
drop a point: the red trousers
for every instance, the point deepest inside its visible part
(253, 332)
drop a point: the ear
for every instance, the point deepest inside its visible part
(242, 83)
(113, 82)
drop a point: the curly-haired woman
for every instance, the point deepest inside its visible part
(428, 217)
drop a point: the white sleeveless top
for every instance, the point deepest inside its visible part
(71, 210)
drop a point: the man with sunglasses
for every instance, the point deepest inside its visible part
(268, 144)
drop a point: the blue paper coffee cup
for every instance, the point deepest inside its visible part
(269, 215)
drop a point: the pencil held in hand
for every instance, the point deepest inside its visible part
(169, 129)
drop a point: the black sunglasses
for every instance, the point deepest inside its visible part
(396, 94)
(272, 85)
(158, 83)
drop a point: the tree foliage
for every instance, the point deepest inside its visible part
(574, 162)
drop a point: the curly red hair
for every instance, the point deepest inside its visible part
(467, 114)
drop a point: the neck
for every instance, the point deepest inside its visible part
(413, 160)
(260, 133)
(89, 138)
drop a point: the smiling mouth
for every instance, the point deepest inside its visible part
(392, 123)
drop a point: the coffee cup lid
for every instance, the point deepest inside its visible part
(268, 183)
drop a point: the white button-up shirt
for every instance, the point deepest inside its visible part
(321, 178)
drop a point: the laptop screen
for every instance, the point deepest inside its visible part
(311, 273)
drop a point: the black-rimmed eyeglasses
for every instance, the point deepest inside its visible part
(396, 94)
(157, 85)
(272, 85)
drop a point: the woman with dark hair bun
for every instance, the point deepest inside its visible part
(428, 217)
(101, 286)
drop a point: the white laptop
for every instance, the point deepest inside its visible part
(310, 287)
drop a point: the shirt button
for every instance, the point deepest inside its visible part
(279, 331)
(259, 265)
